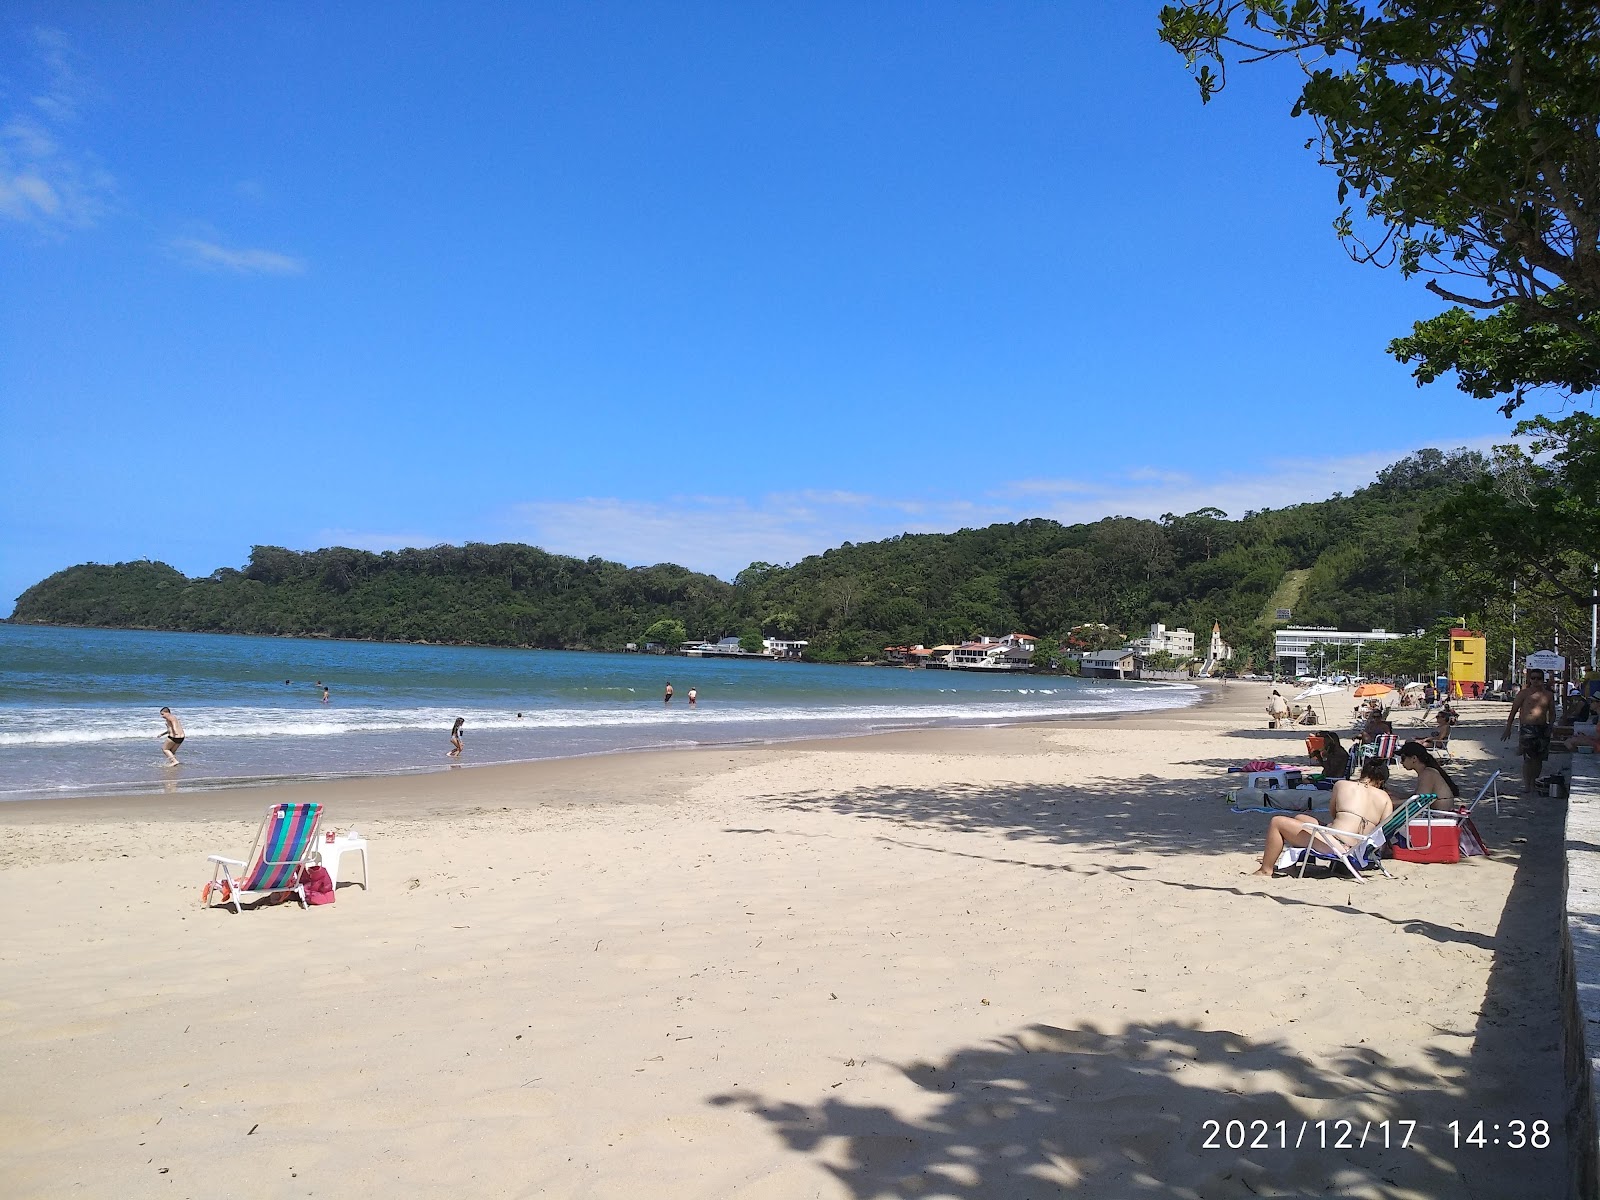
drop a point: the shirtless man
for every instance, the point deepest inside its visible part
(172, 737)
(1534, 708)
(693, 697)
(668, 700)
(1355, 805)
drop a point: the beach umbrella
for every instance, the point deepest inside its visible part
(1316, 692)
(1372, 689)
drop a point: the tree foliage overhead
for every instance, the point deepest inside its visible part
(1469, 132)
(1063, 583)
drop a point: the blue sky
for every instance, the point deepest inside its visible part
(706, 283)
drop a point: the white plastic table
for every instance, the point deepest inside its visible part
(1273, 780)
(333, 851)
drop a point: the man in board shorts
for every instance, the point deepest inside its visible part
(1534, 708)
(172, 738)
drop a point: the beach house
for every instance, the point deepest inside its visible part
(1109, 664)
(779, 647)
(1013, 652)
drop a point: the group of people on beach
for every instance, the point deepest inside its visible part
(1360, 805)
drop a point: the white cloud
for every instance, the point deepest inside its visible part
(210, 255)
(45, 182)
(723, 535)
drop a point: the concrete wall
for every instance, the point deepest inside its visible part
(1580, 975)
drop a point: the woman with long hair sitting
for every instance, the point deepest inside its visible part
(1431, 777)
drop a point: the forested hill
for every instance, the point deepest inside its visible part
(1037, 576)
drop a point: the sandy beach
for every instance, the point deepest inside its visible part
(1008, 962)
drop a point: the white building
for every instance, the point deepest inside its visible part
(1177, 642)
(784, 647)
(1291, 647)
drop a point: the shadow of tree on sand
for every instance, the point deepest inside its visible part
(1048, 1111)
(1095, 1112)
(1139, 814)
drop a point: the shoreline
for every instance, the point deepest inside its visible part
(228, 797)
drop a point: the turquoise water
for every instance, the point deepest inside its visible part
(78, 707)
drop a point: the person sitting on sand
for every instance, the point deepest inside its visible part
(1432, 779)
(1355, 806)
(1333, 757)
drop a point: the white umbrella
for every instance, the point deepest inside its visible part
(1316, 691)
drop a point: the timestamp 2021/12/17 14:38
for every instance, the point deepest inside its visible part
(1359, 1135)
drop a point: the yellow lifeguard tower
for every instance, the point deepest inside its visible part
(1466, 664)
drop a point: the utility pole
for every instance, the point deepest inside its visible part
(1512, 675)
(1594, 612)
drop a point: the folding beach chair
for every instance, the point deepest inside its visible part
(1383, 749)
(1397, 824)
(1353, 851)
(287, 838)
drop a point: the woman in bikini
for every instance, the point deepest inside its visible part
(1431, 777)
(1355, 806)
(455, 738)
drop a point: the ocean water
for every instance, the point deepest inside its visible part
(79, 707)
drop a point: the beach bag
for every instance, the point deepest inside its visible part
(318, 885)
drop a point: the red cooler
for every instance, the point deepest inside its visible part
(1431, 841)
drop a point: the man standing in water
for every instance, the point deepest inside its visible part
(668, 700)
(172, 738)
(1534, 708)
(693, 696)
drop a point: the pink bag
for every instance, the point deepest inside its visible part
(318, 885)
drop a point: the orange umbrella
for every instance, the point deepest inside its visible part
(1373, 689)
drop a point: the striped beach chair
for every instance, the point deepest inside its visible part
(1383, 749)
(287, 838)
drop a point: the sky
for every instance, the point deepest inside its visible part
(702, 283)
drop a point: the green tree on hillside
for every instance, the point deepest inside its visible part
(668, 632)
